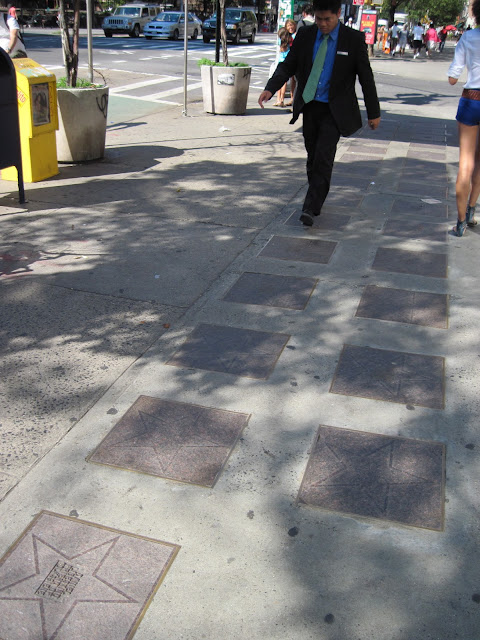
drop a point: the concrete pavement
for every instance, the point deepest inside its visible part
(113, 266)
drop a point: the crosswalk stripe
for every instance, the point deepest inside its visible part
(144, 83)
(147, 99)
(171, 92)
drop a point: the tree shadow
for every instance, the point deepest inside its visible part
(347, 577)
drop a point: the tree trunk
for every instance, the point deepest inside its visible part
(70, 46)
(223, 32)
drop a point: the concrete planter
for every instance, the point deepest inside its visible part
(82, 120)
(225, 89)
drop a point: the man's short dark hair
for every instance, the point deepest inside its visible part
(476, 11)
(327, 5)
(307, 9)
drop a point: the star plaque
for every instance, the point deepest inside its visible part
(175, 440)
(376, 476)
(67, 579)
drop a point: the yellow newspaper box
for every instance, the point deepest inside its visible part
(38, 116)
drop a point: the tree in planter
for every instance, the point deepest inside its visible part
(70, 45)
(223, 33)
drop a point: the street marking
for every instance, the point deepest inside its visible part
(239, 54)
(171, 92)
(147, 99)
(144, 83)
(113, 53)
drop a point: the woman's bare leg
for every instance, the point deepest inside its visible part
(475, 192)
(468, 152)
(281, 94)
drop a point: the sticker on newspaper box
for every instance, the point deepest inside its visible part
(226, 78)
(40, 104)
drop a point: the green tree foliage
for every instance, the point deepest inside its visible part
(440, 12)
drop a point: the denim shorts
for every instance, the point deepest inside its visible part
(468, 112)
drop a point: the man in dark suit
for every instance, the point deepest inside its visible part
(326, 58)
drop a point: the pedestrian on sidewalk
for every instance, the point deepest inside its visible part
(10, 40)
(291, 27)
(467, 53)
(307, 18)
(431, 39)
(394, 32)
(283, 49)
(443, 36)
(380, 39)
(417, 39)
(402, 40)
(327, 58)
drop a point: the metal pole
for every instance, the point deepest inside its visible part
(185, 57)
(21, 187)
(89, 40)
(217, 33)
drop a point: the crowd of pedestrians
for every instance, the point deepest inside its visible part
(395, 39)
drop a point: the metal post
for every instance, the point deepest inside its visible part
(21, 187)
(89, 40)
(185, 57)
(217, 33)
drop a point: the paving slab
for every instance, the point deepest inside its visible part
(391, 376)
(402, 305)
(271, 290)
(75, 579)
(415, 229)
(240, 352)
(299, 249)
(325, 221)
(173, 440)
(420, 207)
(376, 476)
(425, 189)
(425, 263)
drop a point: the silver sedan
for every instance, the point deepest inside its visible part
(171, 24)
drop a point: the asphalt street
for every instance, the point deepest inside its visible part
(160, 62)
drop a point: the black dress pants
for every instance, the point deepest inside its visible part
(321, 137)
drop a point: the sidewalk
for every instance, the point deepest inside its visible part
(294, 409)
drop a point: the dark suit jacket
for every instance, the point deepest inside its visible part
(351, 61)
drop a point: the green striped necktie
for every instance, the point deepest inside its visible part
(312, 83)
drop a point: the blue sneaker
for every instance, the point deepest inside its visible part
(459, 228)
(470, 216)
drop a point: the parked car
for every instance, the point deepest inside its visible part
(171, 24)
(40, 20)
(129, 18)
(240, 24)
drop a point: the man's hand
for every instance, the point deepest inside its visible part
(264, 97)
(373, 123)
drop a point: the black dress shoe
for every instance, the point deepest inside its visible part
(306, 218)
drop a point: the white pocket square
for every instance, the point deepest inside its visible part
(342, 53)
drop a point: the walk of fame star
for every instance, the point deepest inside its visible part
(67, 579)
(173, 440)
(376, 476)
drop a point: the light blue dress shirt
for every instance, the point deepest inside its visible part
(324, 83)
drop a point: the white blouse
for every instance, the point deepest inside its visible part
(467, 53)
